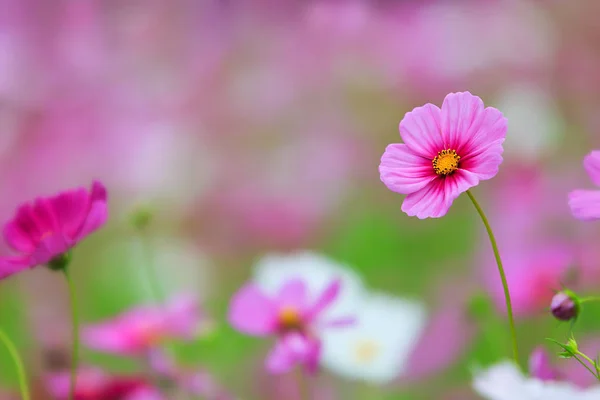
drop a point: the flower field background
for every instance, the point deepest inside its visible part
(234, 134)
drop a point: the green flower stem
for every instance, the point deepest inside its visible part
(589, 299)
(502, 276)
(75, 334)
(151, 273)
(14, 353)
(585, 365)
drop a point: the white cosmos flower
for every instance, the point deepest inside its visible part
(375, 349)
(317, 271)
(505, 382)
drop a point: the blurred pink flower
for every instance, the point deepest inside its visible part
(141, 328)
(95, 384)
(50, 226)
(533, 275)
(290, 317)
(445, 152)
(196, 382)
(585, 204)
(540, 366)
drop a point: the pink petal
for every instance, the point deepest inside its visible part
(183, 317)
(252, 312)
(293, 294)
(402, 171)
(109, 338)
(485, 165)
(325, 299)
(468, 127)
(49, 248)
(43, 212)
(585, 204)
(97, 213)
(540, 366)
(71, 208)
(280, 359)
(591, 163)
(13, 265)
(420, 130)
(434, 200)
(17, 238)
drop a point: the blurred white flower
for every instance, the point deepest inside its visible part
(376, 349)
(504, 381)
(535, 125)
(317, 271)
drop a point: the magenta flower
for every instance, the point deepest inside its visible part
(95, 384)
(142, 328)
(445, 152)
(585, 204)
(291, 317)
(44, 230)
(540, 366)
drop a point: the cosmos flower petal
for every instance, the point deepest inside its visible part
(252, 312)
(17, 237)
(468, 127)
(97, 213)
(293, 293)
(280, 359)
(585, 204)
(13, 265)
(50, 247)
(71, 207)
(591, 163)
(402, 171)
(328, 296)
(434, 200)
(485, 165)
(461, 118)
(420, 130)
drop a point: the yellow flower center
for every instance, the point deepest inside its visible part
(289, 319)
(366, 351)
(446, 162)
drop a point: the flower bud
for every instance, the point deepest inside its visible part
(564, 306)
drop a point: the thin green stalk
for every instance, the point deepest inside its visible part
(585, 365)
(589, 299)
(75, 334)
(151, 274)
(14, 353)
(509, 310)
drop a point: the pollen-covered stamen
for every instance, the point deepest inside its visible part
(446, 162)
(289, 319)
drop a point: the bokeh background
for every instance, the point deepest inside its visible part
(250, 127)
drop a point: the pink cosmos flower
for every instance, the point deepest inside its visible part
(48, 227)
(95, 384)
(585, 204)
(291, 317)
(142, 328)
(445, 152)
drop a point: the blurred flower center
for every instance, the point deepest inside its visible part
(446, 162)
(366, 351)
(45, 235)
(289, 319)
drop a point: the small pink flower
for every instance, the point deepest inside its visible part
(142, 328)
(48, 227)
(291, 317)
(540, 366)
(585, 204)
(445, 152)
(95, 384)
